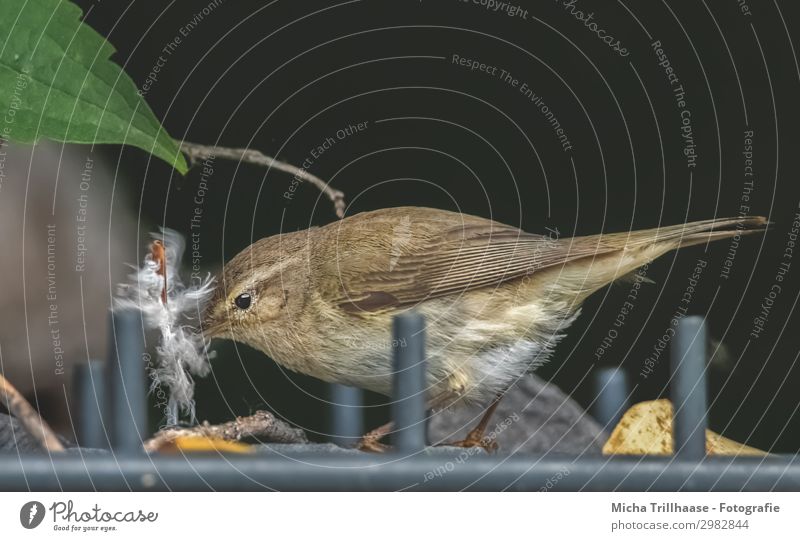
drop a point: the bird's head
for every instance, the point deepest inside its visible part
(259, 291)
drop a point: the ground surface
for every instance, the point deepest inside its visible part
(534, 417)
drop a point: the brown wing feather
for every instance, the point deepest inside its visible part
(398, 257)
(438, 253)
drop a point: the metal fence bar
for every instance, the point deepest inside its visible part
(89, 397)
(297, 470)
(408, 404)
(303, 471)
(688, 388)
(127, 391)
(611, 390)
(347, 420)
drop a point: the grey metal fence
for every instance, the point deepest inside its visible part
(117, 388)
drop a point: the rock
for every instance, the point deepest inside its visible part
(14, 437)
(534, 417)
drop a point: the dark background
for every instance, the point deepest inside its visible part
(282, 77)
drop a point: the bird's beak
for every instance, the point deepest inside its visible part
(211, 324)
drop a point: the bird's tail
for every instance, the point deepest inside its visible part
(602, 259)
(689, 234)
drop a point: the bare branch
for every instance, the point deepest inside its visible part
(197, 153)
(28, 417)
(262, 425)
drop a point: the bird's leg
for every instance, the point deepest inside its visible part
(371, 440)
(476, 437)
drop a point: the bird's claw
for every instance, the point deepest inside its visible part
(484, 442)
(372, 445)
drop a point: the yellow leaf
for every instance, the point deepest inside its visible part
(646, 429)
(201, 444)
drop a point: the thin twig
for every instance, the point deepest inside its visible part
(28, 417)
(262, 425)
(159, 255)
(197, 153)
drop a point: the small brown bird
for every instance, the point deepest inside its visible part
(496, 299)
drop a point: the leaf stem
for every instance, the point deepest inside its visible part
(196, 153)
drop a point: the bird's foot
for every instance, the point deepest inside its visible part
(372, 445)
(474, 440)
(371, 441)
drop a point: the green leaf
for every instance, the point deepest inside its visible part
(57, 82)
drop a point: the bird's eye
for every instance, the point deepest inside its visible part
(243, 301)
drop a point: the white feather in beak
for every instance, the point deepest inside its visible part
(182, 351)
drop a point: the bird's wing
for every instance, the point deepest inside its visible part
(400, 261)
